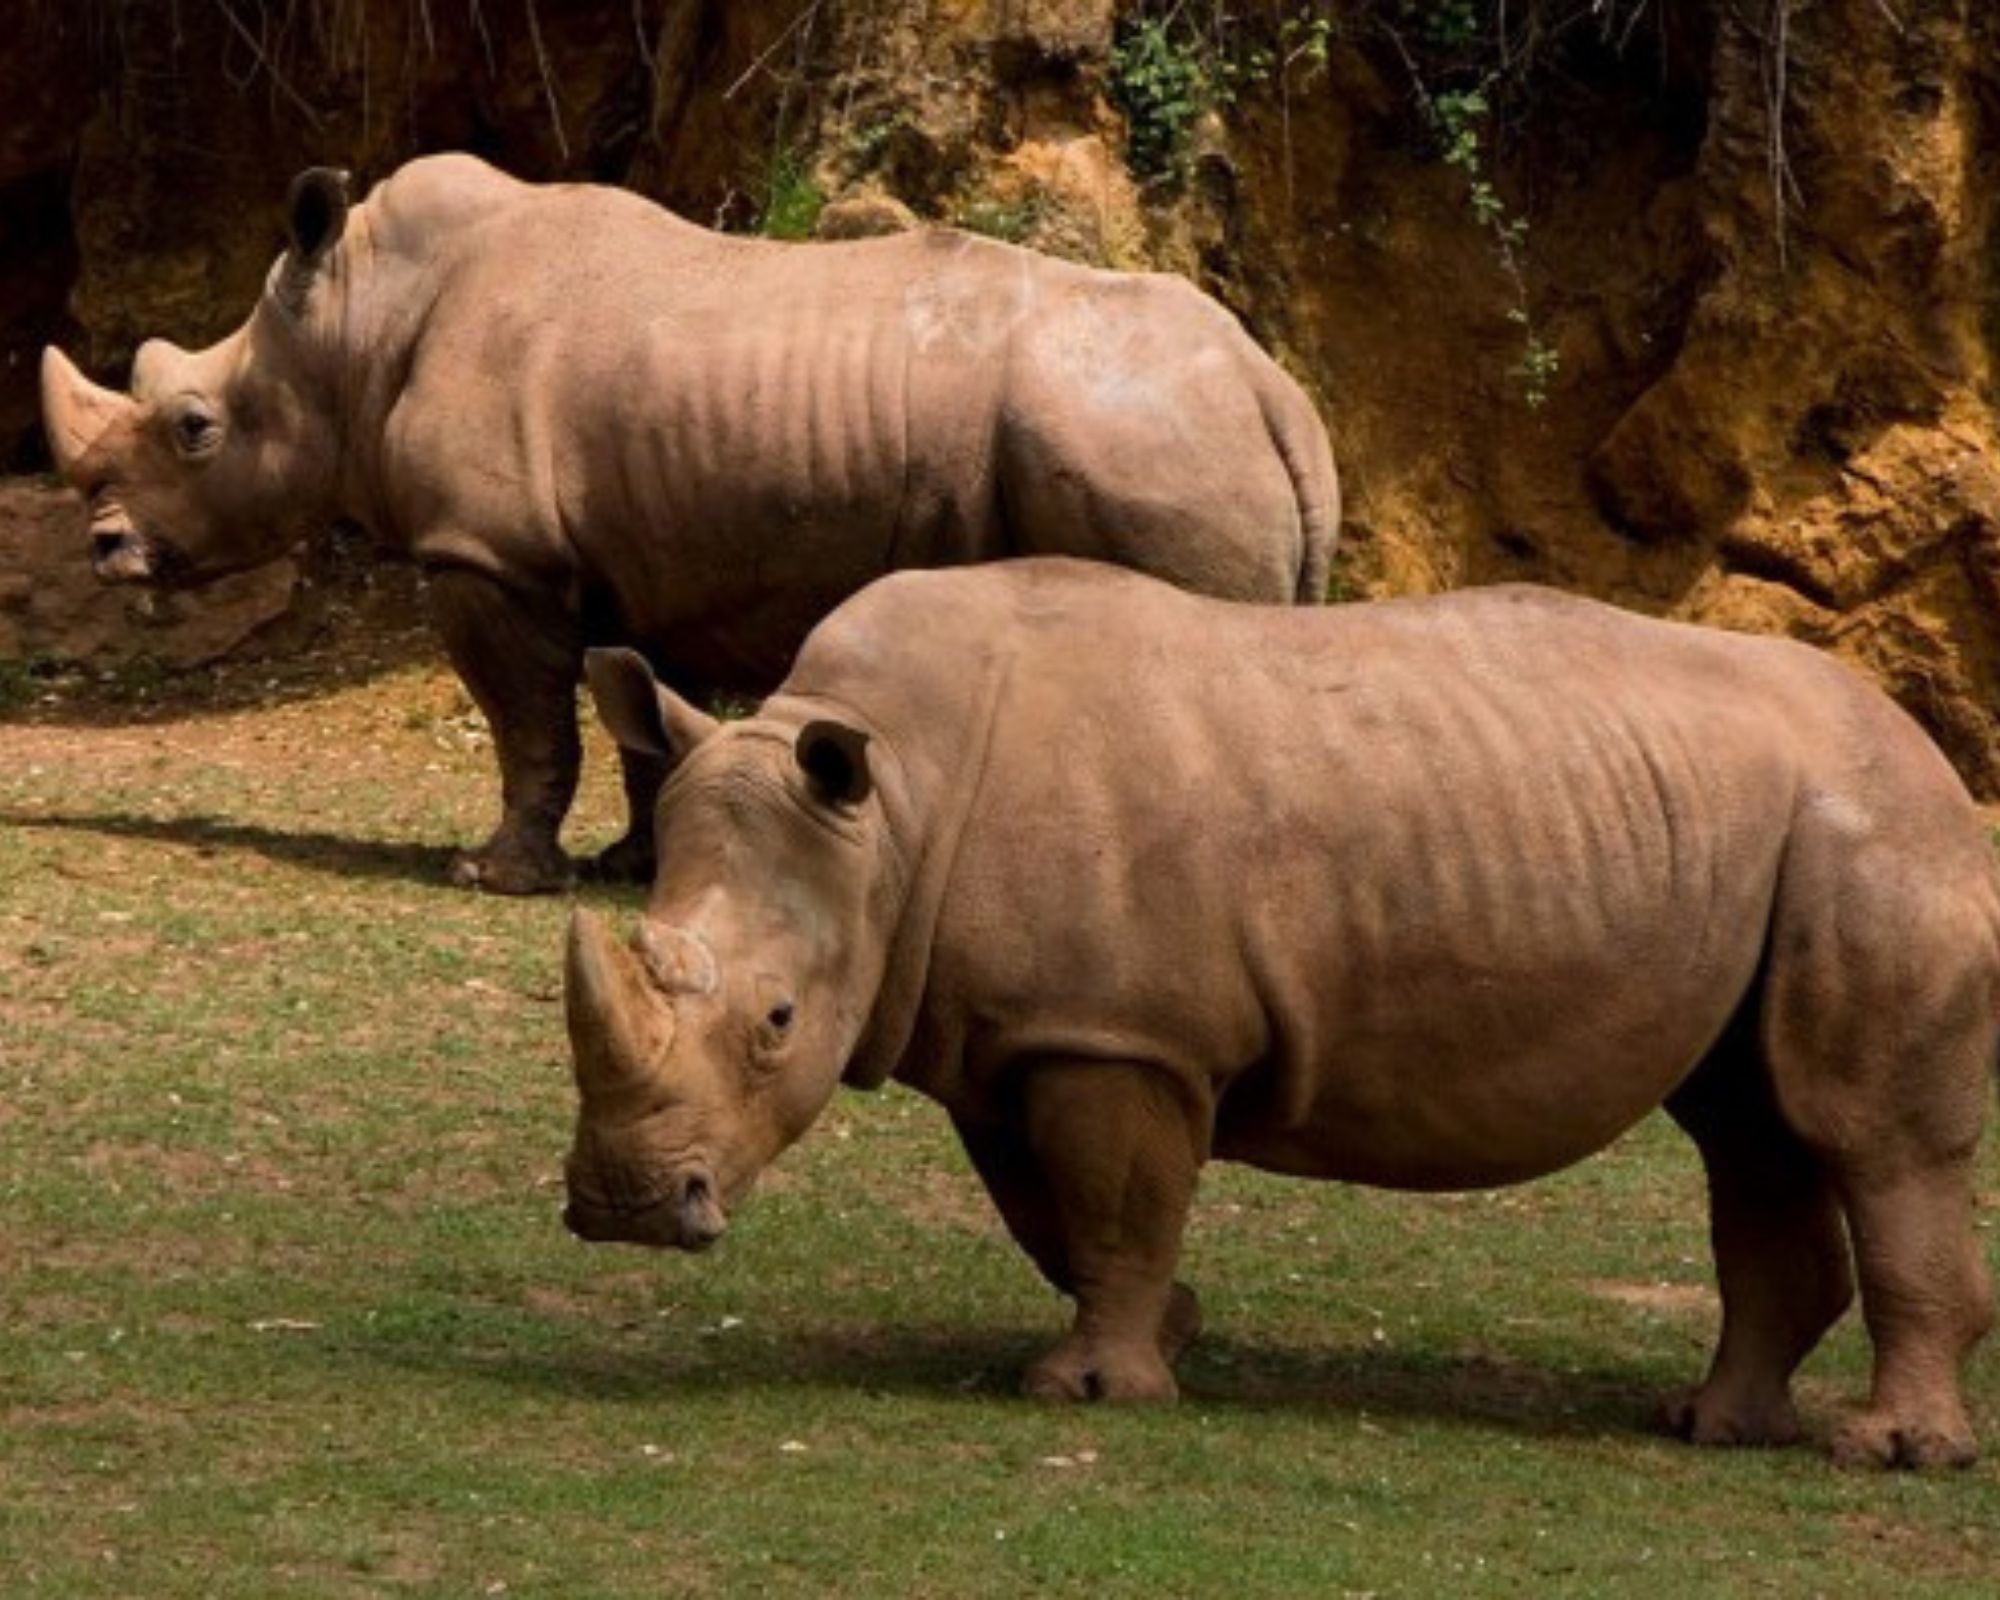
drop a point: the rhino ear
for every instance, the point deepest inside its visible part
(834, 758)
(643, 714)
(315, 217)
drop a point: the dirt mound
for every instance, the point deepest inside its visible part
(52, 609)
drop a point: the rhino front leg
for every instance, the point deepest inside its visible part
(519, 659)
(1013, 1176)
(1118, 1151)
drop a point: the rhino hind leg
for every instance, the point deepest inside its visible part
(1781, 1252)
(1097, 1190)
(1926, 1295)
(520, 663)
(1882, 1033)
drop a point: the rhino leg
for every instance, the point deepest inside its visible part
(1007, 1165)
(631, 859)
(1116, 1152)
(1781, 1254)
(1927, 1299)
(520, 662)
(1882, 1031)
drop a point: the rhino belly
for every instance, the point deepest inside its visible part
(1487, 1034)
(1429, 1111)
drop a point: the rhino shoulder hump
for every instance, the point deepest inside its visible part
(441, 192)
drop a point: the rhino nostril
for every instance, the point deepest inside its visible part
(698, 1217)
(106, 545)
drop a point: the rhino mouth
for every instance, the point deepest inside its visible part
(120, 557)
(686, 1218)
(120, 553)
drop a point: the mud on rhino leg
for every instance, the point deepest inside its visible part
(1781, 1254)
(1007, 1165)
(1117, 1151)
(520, 660)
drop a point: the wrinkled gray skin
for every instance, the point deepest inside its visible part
(1431, 894)
(595, 423)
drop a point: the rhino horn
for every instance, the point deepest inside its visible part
(620, 1029)
(75, 412)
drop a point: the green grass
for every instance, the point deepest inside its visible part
(285, 1307)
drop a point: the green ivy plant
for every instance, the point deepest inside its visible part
(1174, 61)
(1159, 82)
(1462, 120)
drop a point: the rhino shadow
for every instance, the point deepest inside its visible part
(207, 835)
(1363, 1384)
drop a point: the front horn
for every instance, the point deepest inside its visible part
(620, 1029)
(76, 413)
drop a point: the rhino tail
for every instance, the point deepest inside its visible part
(1303, 446)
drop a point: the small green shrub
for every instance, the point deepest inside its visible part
(17, 686)
(792, 199)
(1008, 220)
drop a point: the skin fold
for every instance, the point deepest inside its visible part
(1429, 894)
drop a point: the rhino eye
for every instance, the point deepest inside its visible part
(195, 432)
(779, 1017)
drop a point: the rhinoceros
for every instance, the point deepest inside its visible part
(1429, 894)
(592, 422)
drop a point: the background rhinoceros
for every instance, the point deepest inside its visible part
(1429, 894)
(594, 423)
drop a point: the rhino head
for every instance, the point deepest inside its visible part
(218, 459)
(710, 1039)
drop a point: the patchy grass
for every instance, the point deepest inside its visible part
(287, 1308)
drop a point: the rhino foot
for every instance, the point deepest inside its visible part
(1700, 1417)
(630, 860)
(1074, 1371)
(502, 871)
(1880, 1439)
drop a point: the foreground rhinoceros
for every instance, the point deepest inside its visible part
(595, 423)
(1430, 894)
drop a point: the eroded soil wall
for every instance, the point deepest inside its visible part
(1703, 321)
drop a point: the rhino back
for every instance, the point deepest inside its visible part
(1405, 884)
(733, 435)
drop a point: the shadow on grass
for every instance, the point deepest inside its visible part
(947, 1363)
(426, 864)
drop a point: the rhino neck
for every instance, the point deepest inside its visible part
(362, 348)
(928, 813)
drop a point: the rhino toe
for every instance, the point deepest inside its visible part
(1876, 1439)
(512, 872)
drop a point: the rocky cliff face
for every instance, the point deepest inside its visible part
(1693, 305)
